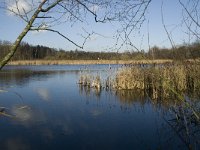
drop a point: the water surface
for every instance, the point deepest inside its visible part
(43, 107)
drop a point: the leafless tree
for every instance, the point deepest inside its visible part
(191, 16)
(190, 20)
(45, 15)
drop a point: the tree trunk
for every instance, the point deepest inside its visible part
(16, 44)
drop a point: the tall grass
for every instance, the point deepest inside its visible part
(163, 82)
(157, 80)
(160, 78)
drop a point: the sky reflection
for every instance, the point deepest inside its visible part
(51, 111)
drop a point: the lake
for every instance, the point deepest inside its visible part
(43, 107)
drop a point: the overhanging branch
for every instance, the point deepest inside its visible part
(51, 6)
(189, 14)
(65, 37)
(94, 14)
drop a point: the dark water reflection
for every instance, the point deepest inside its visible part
(43, 107)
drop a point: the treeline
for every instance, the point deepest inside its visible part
(27, 51)
(185, 51)
(30, 52)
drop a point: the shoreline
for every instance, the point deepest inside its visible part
(86, 62)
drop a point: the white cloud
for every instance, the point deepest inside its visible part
(41, 29)
(93, 37)
(94, 8)
(18, 7)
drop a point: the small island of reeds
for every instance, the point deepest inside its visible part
(175, 81)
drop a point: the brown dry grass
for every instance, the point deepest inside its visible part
(74, 62)
(159, 81)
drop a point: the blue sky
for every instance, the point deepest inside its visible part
(11, 26)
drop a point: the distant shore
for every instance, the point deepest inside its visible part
(85, 62)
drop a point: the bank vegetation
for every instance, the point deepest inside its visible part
(27, 52)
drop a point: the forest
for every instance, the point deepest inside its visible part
(27, 51)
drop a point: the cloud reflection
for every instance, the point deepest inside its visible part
(47, 133)
(16, 144)
(96, 112)
(27, 116)
(22, 113)
(43, 93)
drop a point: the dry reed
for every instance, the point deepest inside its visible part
(82, 62)
(160, 79)
(168, 83)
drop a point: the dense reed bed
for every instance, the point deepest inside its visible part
(174, 82)
(154, 78)
(159, 79)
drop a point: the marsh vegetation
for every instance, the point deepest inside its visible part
(155, 78)
(173, 86)
(177, 82)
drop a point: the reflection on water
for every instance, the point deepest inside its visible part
(181, 118)
(21, 77)
(22, 113)
(16, 144)
(85, 90)
(49, 110)
(43, 93)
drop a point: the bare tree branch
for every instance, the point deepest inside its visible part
(55, 31)
(70, 12)
(189, 28)
(51, 6)
(163, 23)
(189, 14)
(95, 15)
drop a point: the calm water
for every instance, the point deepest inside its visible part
(43, 107)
